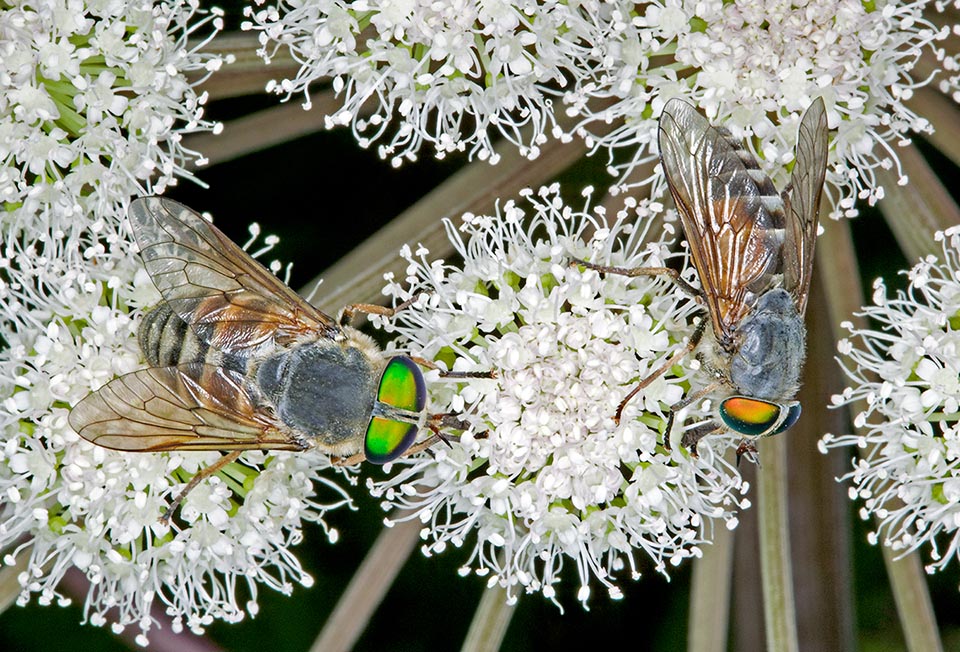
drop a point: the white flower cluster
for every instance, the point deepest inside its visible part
(754, 66)
(454, 73)
(93, 105)
(905, 382)
(545, 476)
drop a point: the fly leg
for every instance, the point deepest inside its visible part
(433, 366)
(748, 449)
(357, 458)
(662, 369)
(201, 475)
(695, 338)
(373, 309)
(348, 312)
(692, 436)
(633, 272)
(434, 422)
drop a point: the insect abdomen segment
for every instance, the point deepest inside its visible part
(774, 218)
(168, 341)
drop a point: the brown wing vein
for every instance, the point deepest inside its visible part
(802, 199)
(194, 406)
(721, 211)
(207, 279)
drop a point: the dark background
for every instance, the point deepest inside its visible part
(323, 195)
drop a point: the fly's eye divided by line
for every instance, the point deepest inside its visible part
(402, 387)
(755, 417)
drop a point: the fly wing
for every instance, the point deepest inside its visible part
(802, 200)
(208, 281)
(194, 406)
(733, 238)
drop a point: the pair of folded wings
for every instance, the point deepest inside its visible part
(740, 248)
(236, 306)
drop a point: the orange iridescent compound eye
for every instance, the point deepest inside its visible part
(752, 417)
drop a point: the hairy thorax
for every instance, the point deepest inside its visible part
(769, 349)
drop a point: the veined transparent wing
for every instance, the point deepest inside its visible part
(209, 281)
(733, 238)
(802, 200)
(194, 406)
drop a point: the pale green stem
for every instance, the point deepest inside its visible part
(836, 263)
(9, 584)
(490, 621)
(775, 568)
(912, 596)
(710, 595)
(248, 74)
(820, 524)
(917, 210)
(368, 586)
(358, 276)
(926, 198)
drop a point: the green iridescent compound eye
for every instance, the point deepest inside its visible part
(402, 387)
(752, 417)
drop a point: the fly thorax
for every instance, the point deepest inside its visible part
(713, 357)
(772, 339)
(324, 390)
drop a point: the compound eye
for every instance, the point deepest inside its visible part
(752, 417)
(402, 387)
(792, 415)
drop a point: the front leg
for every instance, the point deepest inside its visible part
(348, 312)
(434, 422)
(433, 366)
(633, 272)
(662, 369)
(748, 449)
(691, 438)
(202, 474)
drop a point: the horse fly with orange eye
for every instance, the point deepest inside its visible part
(752, 248)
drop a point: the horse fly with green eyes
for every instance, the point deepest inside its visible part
(240, 362)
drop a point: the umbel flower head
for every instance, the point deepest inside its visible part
(453, 75)
(545, 477)
(93, 105)
(753, 66)
(904, 374)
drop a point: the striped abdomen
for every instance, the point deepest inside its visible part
(771, 221)
(769, 196)
(166, 340)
